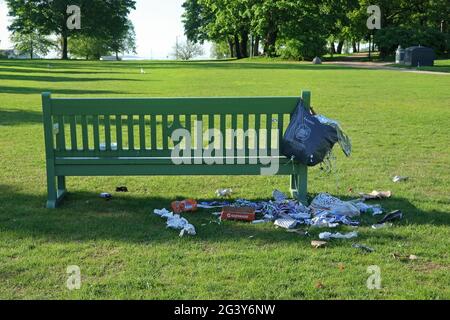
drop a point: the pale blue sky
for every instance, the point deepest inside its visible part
(157, 24)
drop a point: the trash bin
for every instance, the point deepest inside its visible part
(400, 55)
(419, 56)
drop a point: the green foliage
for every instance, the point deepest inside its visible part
(88, 47)
(220, 50)
(389, 38)
(306, 48)
(99, 18)
(32, 43)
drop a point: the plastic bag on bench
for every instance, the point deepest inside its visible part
(308, 140)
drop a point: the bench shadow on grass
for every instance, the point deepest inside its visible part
(83, 216)
(12, 117)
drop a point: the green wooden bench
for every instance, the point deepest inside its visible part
(132, 137)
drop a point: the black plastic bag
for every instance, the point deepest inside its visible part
(306, 139)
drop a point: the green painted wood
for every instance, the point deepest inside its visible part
(96, 129)
(154, 134)
(168, 106)
(108, 141)
(165, 131)
(156, 161)
(130, 121)
(84, 132)
(119, 132)
(60, 137)
(142, 132)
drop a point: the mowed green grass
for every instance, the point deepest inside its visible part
(439, 66)
(399, 123)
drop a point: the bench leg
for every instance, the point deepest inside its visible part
(299, 184)
(52, 199)
(56, 188)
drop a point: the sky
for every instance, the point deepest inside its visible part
(157, 24)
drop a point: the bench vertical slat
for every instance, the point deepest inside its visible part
(61, 137)
(258, 132)
(246, 137)
(234, 136)
(165, 136)
(130, 132)
(280, 129)
(107, 122)
(84, 129)
(73, 132)
(223, 130)
(211, 125)
(153, 132)
(95, 124)
(269, 133)
(142, 132)
(119, 132)
(198, 139)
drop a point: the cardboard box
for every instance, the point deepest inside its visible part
(240, 214)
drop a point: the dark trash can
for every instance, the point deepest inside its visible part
(419, 56)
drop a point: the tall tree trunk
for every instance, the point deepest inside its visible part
(65, 55)
(332, 47)
(243, 45)
(340, 46)
(270, 39)
(31, 50)
(237, 47)
(117, 55)
(256, 46)
(231, 46)
(355, 48)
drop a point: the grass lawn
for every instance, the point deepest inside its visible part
(439, 66)
(400, 125)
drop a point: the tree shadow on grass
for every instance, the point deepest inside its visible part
(11, 117)
(36, 90)
(84, 216)
(50, 78)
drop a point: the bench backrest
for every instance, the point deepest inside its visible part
(125, 127)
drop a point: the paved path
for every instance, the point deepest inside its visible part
(381, 66)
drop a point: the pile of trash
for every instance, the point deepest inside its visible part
(325, 211)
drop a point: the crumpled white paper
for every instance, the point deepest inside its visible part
(175, 221)
(329, 235)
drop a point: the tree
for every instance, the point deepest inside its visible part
(88, 47)
(122, 39)
(32, 43)
(187, 50)
(50, 17)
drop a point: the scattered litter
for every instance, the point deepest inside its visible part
(213, 205)
(393, 216)
(320, 285)
(363, 247)
(286, 222)
(184, 206)
(279, 196)
(299, 232)
(397, 179)
(318, 244)
(122, 189)
(411, 257)
(369, 209)
(105, 195)
(175, 221)
(329, 235)
(260, 221)
(224, 193)
(335, 206)
(382, 226)
(376, 195)
(242, 214)
(251, 237)
(217, 214)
